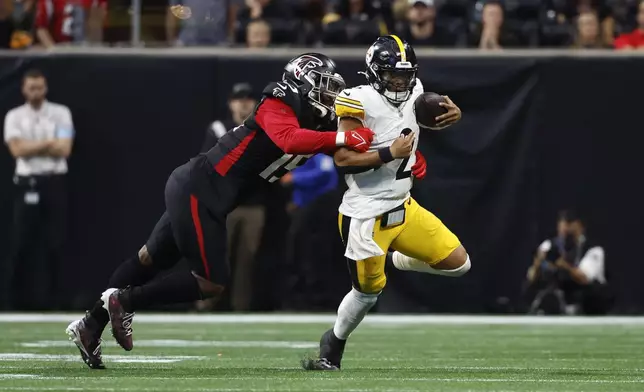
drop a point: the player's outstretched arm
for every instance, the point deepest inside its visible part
(280, 124)
(401, 148)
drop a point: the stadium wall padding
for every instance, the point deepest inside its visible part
(537, 134)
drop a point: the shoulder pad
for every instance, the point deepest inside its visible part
(419, 86)
(286, 92)
(349, 104)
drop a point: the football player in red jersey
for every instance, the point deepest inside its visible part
(292, 122)
(69, 20)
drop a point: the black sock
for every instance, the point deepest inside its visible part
(130, 273)
(98, 316)
(178, 287)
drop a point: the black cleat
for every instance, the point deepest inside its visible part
(120, 320)
(88, 341)
(318, 364)
(331, 351)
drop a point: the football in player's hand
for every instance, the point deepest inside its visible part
(427, 108)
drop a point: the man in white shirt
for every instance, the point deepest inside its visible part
(571, 268)
(39, 135)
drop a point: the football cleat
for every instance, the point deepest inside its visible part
(331, 351)
(318, 364)
(120, 320)
(88, 341)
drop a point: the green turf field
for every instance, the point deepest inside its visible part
(262, 353)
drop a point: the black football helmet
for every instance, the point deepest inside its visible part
(391, 68)
(316, 77)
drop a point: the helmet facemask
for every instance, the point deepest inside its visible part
(326, 87)
(396, 84)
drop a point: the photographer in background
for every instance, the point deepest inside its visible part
(569, 271)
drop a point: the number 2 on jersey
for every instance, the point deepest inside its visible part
(401, 173)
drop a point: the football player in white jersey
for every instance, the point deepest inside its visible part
(377, 212)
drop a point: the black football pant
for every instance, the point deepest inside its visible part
(190, 230)
(29, 275)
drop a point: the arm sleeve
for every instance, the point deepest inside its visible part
(317, 174)
(11, 130)
(280, 124)
(592, 265)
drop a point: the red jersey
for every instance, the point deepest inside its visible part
(634, 39)
(62, 18)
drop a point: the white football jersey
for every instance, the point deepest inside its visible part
(377, 191)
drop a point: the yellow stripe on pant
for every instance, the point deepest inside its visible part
(422, 236)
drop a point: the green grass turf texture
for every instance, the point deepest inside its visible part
(379, 357)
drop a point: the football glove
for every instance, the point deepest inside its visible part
(358, 139)
(420, 167)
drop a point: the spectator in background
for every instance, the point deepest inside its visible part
(421, 29)
(265, 9)
(588, 34)
(491, 34)
(246, 223)
(23, 23)
(569, 11)
(6, 25)
(361, 10)
(64, 21)
(39, 135)
(258, 34)
(201, 22)
(634, 39)
(570, 269)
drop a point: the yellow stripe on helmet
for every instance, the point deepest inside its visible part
(403, 55)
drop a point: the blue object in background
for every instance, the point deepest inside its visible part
(316, 177)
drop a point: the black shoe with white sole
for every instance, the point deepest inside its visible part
(331, 351)
(88, 341)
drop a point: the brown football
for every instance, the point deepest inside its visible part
(427, 108)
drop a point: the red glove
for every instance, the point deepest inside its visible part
(358, 139)
(420, 167)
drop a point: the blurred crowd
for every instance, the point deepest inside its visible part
(484, 24)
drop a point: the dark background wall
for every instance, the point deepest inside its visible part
(538, 134)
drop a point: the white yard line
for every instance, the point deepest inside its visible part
(12, 357)
(175, 318)
(186, 343)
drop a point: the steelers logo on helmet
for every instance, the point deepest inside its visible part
(392, 68)
(369, 55)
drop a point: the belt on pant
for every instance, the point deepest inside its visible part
(395, 216)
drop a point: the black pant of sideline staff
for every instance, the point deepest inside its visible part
(28, 276)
